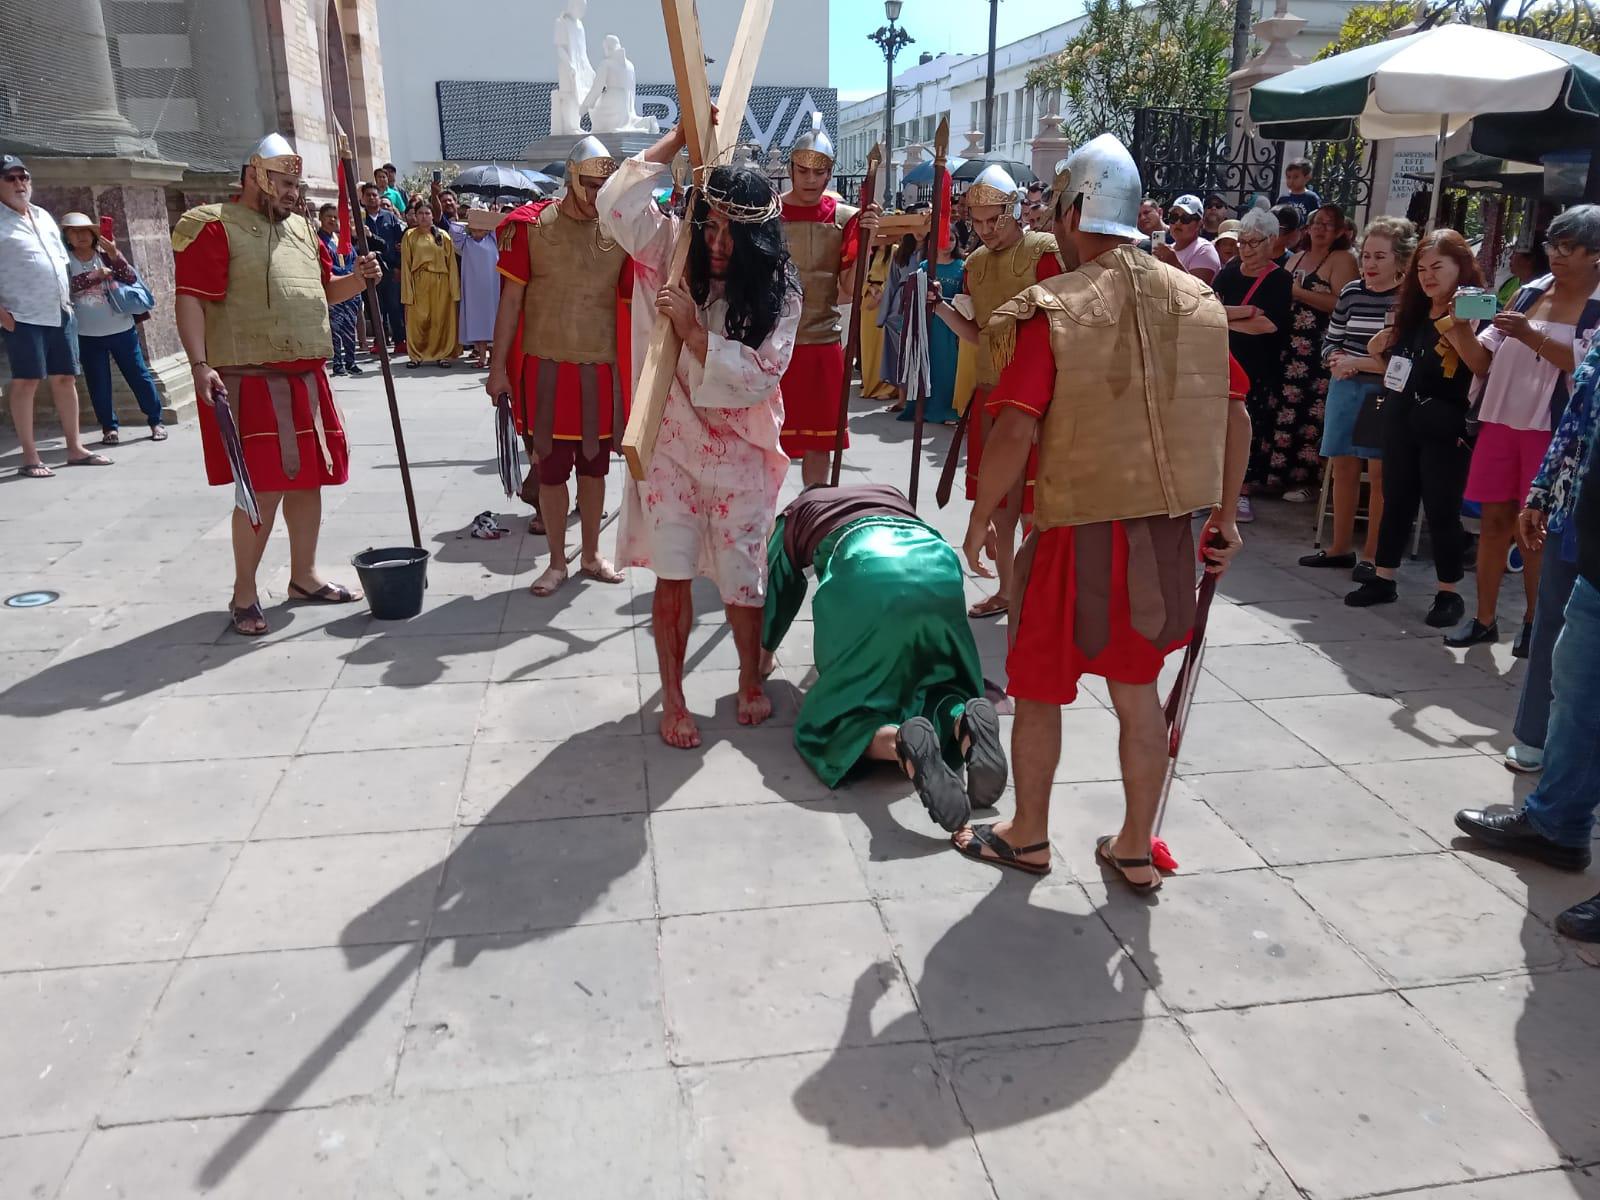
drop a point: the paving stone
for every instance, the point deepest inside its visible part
(306, 1155)
(443, 616)
(1272, 672)
(514, 1008)
(286, 667)
(962, 954)
(738, 766)
(878, 1122)
(365, 791)
(1080, 813)
(557, 709)
(1533, 1037)
(391, 661)
(1479, 717)
(710, 695)
(33, 1167)
(565, 654)
(1241, 737)
(1429, 793)
(711, 647)
(545, 875)
(1426, 919)
(781, 981)
(1543, 891)
(108, 906)
(267, 725)
(1361, 729)
(761, 856)
(1396, 1107)
(579, 605)
(1540, 1185)
(1238, 625)
(67, 1038)
(622, 1138)
(1307, 814)
(1231, 940)
(304, 892)
(84, 807)
(395, 718)
(1088, 744)
(255, 1032)
(1080, 1105)
(536, 781)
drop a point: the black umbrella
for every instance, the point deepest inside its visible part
(973, 167)
(492, 179)
(557, 170)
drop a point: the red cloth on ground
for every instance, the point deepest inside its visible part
(524, 367)
(1045, 661)
(202, 270)
(1048, 267)
(811, 399)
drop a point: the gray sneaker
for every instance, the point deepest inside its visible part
(1525, 760)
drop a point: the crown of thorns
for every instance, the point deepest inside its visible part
(743, 214)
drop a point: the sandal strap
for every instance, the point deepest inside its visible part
(1103, 849)
(1002, 848)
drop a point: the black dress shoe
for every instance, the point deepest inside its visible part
(1322, 558)
(1448, 609)
(1373, 591)
(1581, 922)
(1363, 572)
(1512, 831)
(1519, 648)
(1472, 633)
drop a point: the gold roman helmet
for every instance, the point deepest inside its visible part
(590, 160)
(995, 186)
(274, 153)
(813, 148)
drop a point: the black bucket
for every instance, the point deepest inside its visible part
(394, 580)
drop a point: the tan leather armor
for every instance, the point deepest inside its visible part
(993, 277)
(275, 309)
(815, 247)
(1139, 416)
(569, 309)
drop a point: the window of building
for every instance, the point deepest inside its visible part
(976, 120)
(1028, 125)
(928, 126)
(1002, 110)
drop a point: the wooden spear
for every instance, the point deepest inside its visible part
(930, 259)
(852, 343)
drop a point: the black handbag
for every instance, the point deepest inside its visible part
(1368, 429)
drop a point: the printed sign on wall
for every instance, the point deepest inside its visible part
(496, 120)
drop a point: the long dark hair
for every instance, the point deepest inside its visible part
(760, 276)
(1411, 310)
(906, 250)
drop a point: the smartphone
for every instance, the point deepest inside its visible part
(108, 228)
(438, 176)
(1475, 304)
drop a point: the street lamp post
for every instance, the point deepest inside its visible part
(988, 80)
(891, 40)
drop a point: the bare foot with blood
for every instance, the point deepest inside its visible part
(678, 727)
(754, 707)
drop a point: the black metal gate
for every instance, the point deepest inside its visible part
(1202, 151)
(1341, 173)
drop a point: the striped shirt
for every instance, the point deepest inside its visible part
(1358, 317)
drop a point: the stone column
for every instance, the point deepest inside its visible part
(133, 192)
(1050, 146)
(58, 60)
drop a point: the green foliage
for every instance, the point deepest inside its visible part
(1164, 53)
(1367, 25)
(1572, 22)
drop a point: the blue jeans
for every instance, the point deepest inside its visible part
(1562, 806)
(1555, 586)
(97, 354)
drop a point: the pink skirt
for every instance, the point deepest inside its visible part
(1504, 462)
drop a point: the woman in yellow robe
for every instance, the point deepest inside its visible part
(873, 386)
(430, 288)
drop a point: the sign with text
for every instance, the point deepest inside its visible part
(496, 120)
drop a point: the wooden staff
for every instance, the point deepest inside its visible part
(930, 258)
(852, 343)
(952, 457)
(347, 169)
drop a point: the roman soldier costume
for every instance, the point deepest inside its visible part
(822, 244)
(570, 385)
(1125, 363)
(267, 334)
(991, 278)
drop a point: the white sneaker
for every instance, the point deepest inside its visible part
(1525, 760)
(1298, 496)
(1243, 513)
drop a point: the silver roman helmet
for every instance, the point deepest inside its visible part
(274, 153)
(590, 159)
(1104, 174)
(813, 148)
(995, 186)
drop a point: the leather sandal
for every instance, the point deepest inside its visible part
(1001, 852)
(1102, 851)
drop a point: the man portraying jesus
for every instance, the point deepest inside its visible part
(710, 494)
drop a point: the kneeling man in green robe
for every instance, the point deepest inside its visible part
(898, 677)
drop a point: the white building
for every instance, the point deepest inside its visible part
(953, 86)
(472, 48)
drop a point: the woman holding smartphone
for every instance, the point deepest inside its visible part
(1429, 356)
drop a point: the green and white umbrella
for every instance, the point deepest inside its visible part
(1525, 97)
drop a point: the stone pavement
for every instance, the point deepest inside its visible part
(425, 909)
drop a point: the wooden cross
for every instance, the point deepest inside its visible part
(706, 144)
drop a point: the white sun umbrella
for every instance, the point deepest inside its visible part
(1425, 84)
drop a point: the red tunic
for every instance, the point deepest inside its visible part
(202, 271)
(978, 424)
(815, 376)
(524, 368)
(1079, 613)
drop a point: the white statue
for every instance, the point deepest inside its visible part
(574, 75)
(610, 101)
